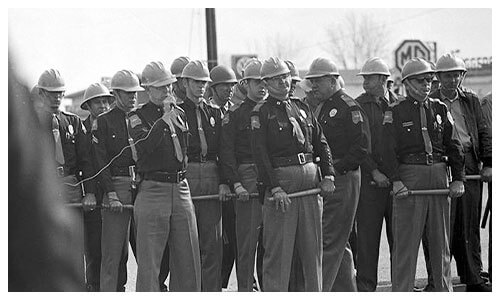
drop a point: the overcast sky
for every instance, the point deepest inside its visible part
(87, 43)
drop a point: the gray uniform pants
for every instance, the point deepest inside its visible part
(248, 222)
(115, 235)
(299, 227)
(338, 217)
(410, 217)
(164, 212)
(204, 180)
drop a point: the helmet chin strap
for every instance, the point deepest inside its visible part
(415, 93)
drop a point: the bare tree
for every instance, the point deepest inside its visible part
(280, 45)
(356, 39)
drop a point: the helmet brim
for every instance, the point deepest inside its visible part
(82, 106)
(416, 74)
(52, 89)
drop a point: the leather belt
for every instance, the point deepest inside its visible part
(299, 159)
(166, 177)
(120, 171)
(422, 159)
(63, 171)
(202, 159)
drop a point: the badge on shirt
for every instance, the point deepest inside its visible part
(450, 118)
(255, 122)
(303, 114)
(387, 117)
(212, 121)
(70, 129)
(438, 119)
(333, 112)
(356, 116)
(134, 121)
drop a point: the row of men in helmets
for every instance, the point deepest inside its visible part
(298, 173)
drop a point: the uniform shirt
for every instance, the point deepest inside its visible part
(110, 138)
(374, 107)
(90, 125)
(210, 121)
(155, 148)
(272, 136)
(235, 140)
(74, 142)
(475, 124)
(402, 135)
(342, 122)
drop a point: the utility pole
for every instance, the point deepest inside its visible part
(211, 38)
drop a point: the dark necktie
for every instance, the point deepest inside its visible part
(425, 133)
(57, 140)
(201, 132)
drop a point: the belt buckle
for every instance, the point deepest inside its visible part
(203, 158)
(302, 158)
(60, 171)
(429, 160)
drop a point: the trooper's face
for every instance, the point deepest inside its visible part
(256, 89)
(98, 106)
(125, 100)
(195, 88)
(279, 86)
(450, 80)
(374, 84)
(322, 87)
(224, 91)
(157, 94)
(51, 100)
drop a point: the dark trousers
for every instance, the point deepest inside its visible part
(375, 206)
(465, 227)
(92, 243)
(229, 249)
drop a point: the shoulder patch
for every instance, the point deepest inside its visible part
(387, 117)
(356, 116)
(255, 122)
(348, 100)
(134, 120)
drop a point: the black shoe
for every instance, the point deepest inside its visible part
(482, 287)
(163, 288)
(92, 288)
(418, 289)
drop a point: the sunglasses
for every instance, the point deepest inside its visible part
(424, 79)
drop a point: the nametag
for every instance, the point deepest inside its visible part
(407, 124)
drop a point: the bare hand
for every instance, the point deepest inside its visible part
(457, 189)
(89, 202)
(399, 190)
(486, 174)
(380, 179)
(281, 199)
(114, 203)
(327, 187)
(224, 191)
(241, 192)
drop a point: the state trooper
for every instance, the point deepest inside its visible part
(475, 138)
(163, 211)
(285, 140)
(221, 91)
(70, 145)
(176, 68)
(240, 172)
(204, 121)
(96, 100)
(111, 137)
(375, 201)
(294, 73)
(418, 132)
(342, 122)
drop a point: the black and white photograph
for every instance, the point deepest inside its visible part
(219, 148)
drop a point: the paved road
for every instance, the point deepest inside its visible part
(384, 264)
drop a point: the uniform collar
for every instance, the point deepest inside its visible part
(417, 103)
(444, 98)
